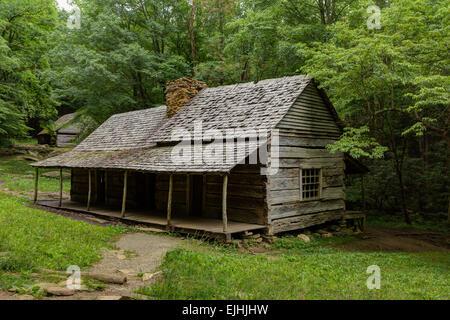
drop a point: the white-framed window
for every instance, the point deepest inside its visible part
(310, 184)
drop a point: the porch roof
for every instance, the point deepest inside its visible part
(158, 159)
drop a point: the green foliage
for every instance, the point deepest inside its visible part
(110, 65)
(392, 84)
(357, 143)
(25, 93)
(11, 123)
(13, 281)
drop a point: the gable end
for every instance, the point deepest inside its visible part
(312, 115)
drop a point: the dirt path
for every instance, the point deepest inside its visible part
(137, 253)
(393, 239)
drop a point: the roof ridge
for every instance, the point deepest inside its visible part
(302, 76)
(139, 110)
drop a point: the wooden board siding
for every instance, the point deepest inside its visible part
(310, 116)
(300, 222)
(305, 131)
(287, 212)
(284, 187)
(64, 139)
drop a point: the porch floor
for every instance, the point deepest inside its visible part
(190, 225)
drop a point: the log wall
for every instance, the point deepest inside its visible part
(286, 211)
(65, 139)
(304, 132)
(246, 201)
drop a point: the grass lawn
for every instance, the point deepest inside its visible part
(17, 175)
(31, 239)
(300, 271)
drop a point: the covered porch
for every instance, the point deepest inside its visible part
(196, 226)
(192, 203)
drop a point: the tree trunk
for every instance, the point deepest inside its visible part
(398, 159)
(191, 35)
(448, 210)
(402, 194)
(422, 183)
(399, 170)
(222, 44)
(245, 72)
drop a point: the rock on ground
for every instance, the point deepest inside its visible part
(109, 277)
(303, 237)
(58, 291)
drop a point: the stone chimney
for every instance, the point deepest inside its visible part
(179, 92)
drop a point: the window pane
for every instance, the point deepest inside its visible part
(310, 183)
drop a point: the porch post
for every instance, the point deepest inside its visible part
(60, 186)
(124, 198)
(363, 194)
(36, 181)
(224, 203)
(188, 195)
(95, 187)
(89, 190)
(106, 187)
(169, 200)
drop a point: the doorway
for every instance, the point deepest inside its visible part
(145, 190)
(197, 195)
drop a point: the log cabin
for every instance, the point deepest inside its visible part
(128, 167)
(65, 132)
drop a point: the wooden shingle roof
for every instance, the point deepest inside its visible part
(61, 125)
(142, 140)
(130, 130)
(250, 105)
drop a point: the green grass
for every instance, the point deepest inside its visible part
(300, 271)
(13, 281)
(29, 141)
(18, 176)
(31, 239)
